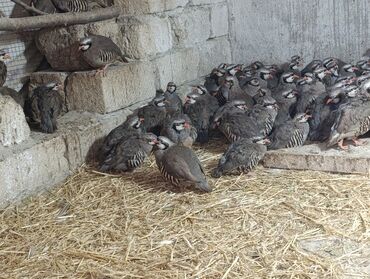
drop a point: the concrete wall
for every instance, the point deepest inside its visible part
(273, 30)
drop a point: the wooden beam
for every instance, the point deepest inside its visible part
(58, 19)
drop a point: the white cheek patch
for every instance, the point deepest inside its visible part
(321, 75)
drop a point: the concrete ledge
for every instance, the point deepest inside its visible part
(43, 160)
(318, 158)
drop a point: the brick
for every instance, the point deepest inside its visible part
(164, 72)
(180, 65)
(26, 171)
(13, 126)
(191, 26)
(212, 53)
(121, 87)
(219, 21)
(185, 65)
(39, 78)
(145, 36)
(319, 158)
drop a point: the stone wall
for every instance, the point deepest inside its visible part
(274, 30)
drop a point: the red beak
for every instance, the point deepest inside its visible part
(328, 101)
(141, 119)
(187, 125)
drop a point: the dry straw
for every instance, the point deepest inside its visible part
(267, 224)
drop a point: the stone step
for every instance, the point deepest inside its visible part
(43, 161)
(318, 157)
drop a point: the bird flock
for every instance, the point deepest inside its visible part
(256, 107)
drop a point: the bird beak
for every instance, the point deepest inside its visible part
(7, 56)
(328, 73)
(329, 101)
(308, 116)
(141, 119)
(80, 48)
(58, 86)
(296, 77)
(187, 99)
(355, 69)
(187, 125)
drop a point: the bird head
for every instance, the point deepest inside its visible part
(171, 87)
(163, 143)
(53, 86)
(254, 82)
(191, 98)
(328, 61)
(135, 121)
(5, 55)
(263, 141)
(321, 72)
(85, 44)
(159, 101)
(150, 138)
(302, 117)
(349, 68)
(266, 74)
(229, 81)
(179, 124)
(289, 77)
(240, 105)
(257, 65)
(290, 94)
(352, 91)
(309, 77)
(199, 89)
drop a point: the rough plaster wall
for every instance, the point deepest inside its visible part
(273, 30)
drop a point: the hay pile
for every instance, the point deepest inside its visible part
(268, 224)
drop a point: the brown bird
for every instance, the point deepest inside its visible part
(47, 104)
(4, 56)
(76, 6)
(241, 157)
(131, 127)
(129, 153)
(179, 163)
(100, 52)
(179, 130)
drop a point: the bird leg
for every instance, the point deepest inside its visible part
(102, 70)
(359, 142)
(342, 146)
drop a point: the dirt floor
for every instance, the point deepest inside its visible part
(267, 224)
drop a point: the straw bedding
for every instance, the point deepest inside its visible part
(267, 224)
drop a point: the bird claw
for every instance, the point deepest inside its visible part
(359, 142)
(342, 146)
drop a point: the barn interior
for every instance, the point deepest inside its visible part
(302, 213)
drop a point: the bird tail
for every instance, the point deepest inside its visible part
(333, 139)
(48, 124)
(203, 136)
(204, 186)
(125, 59)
